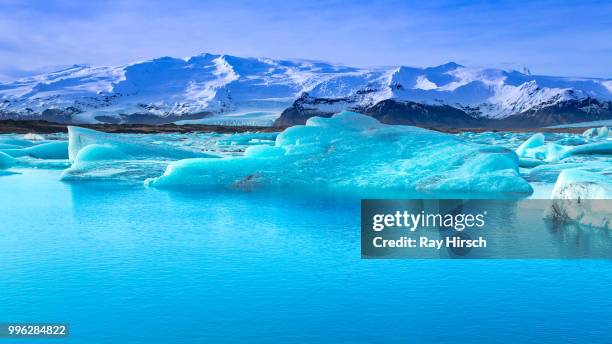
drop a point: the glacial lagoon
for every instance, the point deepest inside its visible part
(94, 238)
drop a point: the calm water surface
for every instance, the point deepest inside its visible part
(124, 264)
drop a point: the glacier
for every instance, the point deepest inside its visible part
(353, 151)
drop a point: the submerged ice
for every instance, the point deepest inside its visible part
(351, 151)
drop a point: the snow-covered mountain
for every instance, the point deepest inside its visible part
(223, 88)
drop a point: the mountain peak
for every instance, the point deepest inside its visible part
(218, 86)
(445, 67)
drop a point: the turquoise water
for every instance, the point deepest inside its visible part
(122, 263)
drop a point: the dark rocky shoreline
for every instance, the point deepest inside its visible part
(44, 127)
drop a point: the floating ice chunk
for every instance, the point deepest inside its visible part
(536, 148)
(49, 150)
(581, 184)
(572, 141)
(597, 133)
(590, 132)
(555, 152)
(536, 140)
(480, 178)
(6, 160)
(603, 147)
(98, 152)
(97, 155)
(353, 151)
(13, 142)
(246, 139)
(33, 137)
(583, 197)
(530, 162)
(550, 152)
(121, 147)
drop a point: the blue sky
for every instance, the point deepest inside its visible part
(550, 37)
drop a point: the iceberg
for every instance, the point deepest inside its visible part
(583, 197)
(6, 160)
(581, 184)
(12, 142)
(536, 140)
(573, 141)
(33, 137)
(603, 147)
(114, 147)
(536, 149)
(95, 154)
(49, 150)
(597, 133)
(530, 162)
(354, 151)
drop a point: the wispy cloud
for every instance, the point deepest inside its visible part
(565, 38)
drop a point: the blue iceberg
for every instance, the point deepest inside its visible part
(597, 133)
(603, 147)
(6, 161)
(48, 150)
(114, 147)
(95, 154)
(536, 141)
(10, 141)
(535, 148)
(353, 151)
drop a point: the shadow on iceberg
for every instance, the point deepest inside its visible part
(350, 151)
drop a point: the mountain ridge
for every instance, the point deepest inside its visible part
(212, 88)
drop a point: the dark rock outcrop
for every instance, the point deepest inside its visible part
(303, 108)
(566, 112)
(410, 113)
(392, 111)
